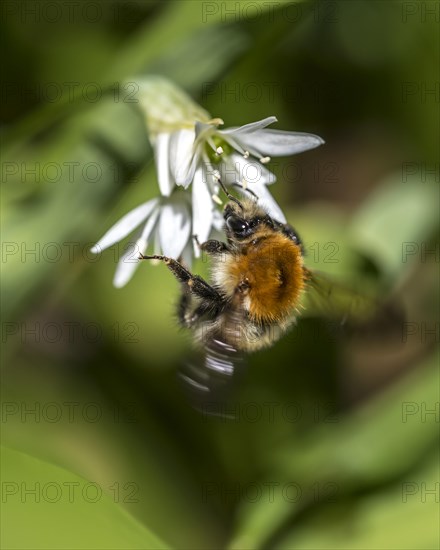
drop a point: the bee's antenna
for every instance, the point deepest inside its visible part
(236, 184)
(226, 192)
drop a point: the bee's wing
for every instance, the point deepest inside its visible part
(210, 379)
(333, 300)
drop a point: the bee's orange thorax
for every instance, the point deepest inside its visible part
(268, 277)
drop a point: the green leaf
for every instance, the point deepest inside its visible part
(382, 440)
(124, 441)
(403, 516)
(47, 507)
(397, 221)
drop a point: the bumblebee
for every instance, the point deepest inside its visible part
(258, 281)
(257, 277)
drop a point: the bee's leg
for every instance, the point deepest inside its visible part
(211, 247)
(193, 283)
(214, 247)
(183, 308)
(187, 315)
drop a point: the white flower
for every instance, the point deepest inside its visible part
(166, 222)
(198, 155)
(189, 148)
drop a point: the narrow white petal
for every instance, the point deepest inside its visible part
(247, 171)
(125, 225)
(202, 208)
(217, 199)
(182, 156)
(187, 255)
(235, 144)
(266, 201)
(127, 265)
(279, 143)
(201, 127)
(250, 128)
(156, 243)
(149, 226)
(218, 221)
(230, 172)
(162, 157)
(174, 229)
(129, 261)
(191, 171)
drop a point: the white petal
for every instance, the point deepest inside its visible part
(201, 127)
(192, 169)
(125, 225)
(162, 153)
(149, 226)
(218, 221)
(129, 261)
(235, 144)
(156, 245)
(280, 143)
(182, 161)
(174, 229)
(266, 201)
(246, 172)
(187, 255)
(202, 208)
(267, 177)
(250, 128)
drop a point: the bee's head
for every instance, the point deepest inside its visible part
(238, 221)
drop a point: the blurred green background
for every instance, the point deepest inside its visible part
(335, 438)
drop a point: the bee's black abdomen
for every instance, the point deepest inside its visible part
(210, 379)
